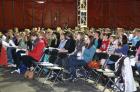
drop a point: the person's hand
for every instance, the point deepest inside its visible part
(16, 47)
(98, 50)
(26, 52)
(63, 50)
(104, 51)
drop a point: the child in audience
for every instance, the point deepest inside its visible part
(105, 42)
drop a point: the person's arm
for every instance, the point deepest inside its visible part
(92, 52)
(99, 43)
(123, 50)
(37, 49)
(89, 56)
(5, 44)
(12, 43)
(137, 44)
(83, 49)
(119, 50)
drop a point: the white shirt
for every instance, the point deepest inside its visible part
(10, 44)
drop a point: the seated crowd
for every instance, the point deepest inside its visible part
(82, 45)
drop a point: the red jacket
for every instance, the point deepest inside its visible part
(37, 51)
(3, 57)
(104, 45)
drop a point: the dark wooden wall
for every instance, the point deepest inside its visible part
(114, 13)
(101, 13)
(29, 13)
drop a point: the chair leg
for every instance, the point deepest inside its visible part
(39, 73)
(57, 75)
(47, 77)
(115, 85)
(106, 85)
(98, 78)
(96, 74)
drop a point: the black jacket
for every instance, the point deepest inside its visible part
(70, 45)
(99, 43)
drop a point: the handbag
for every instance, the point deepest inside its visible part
(94, 64)
(29, 74)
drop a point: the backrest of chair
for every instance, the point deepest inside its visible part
(114, 58)
(104, 55)
(101, 55)
(119, 65)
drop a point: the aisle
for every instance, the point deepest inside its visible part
(16, 83)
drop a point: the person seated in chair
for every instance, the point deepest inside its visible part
(122, 46)
(82, 59)
(79, 46)
(105, 42)
(3, 55)
(35, 54)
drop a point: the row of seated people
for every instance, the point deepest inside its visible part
(81, 46)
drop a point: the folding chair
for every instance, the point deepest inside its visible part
(99, 71)
(102, 70)
(52, 70)
(41, 65)
(112, 75)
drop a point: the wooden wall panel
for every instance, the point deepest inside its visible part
(37, 13)
(114, 13)
(1, 15)
(57, 13)
(101, 13)
(8, 14)
(19, 13)
(28, 13)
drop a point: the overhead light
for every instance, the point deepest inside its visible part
(40, 2)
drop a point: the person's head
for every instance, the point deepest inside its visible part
(34, 36)
(58, 29)
(48, 33)
(120, 31)
(62, 36)
(112, 38)
(42, 34)
(97, 34)
(105, 36)
(80, 36)
(22, 35)
(1, 34)
(27, 32)
(69, 35)
(16, 30)
(124, 39)
(134, 33)
(9, 34)
(137, 32)
(88, 41)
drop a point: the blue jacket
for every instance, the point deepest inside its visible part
(89, 53)
(123, 50)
